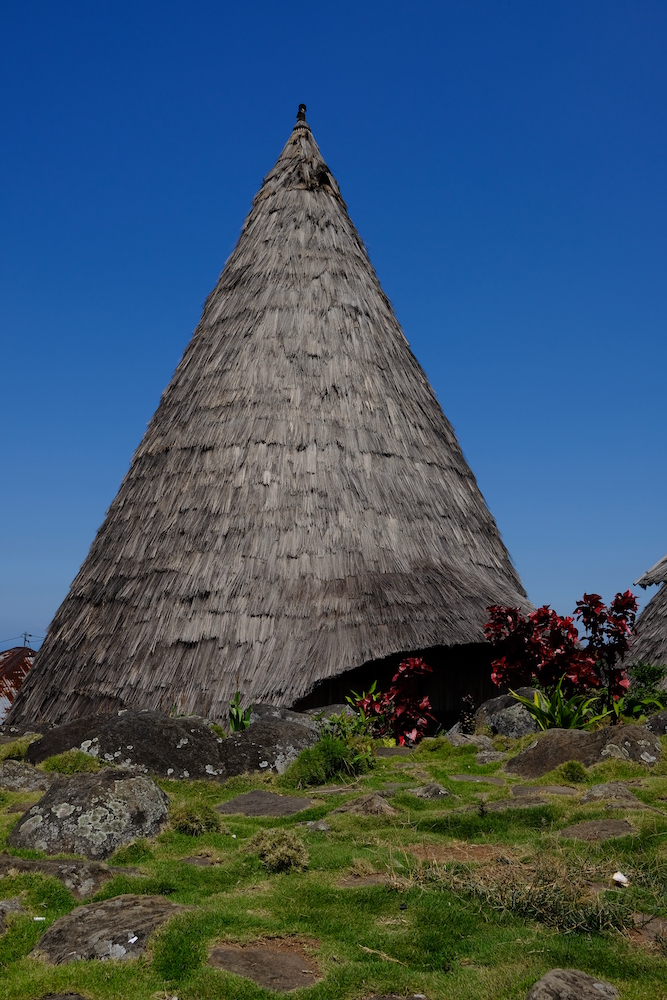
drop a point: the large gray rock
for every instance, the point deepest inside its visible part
(15, 776)
(459, 739)
(556, 746)
(615, 791)
(269, 744)
(570, 984)
(116, 928)
(143, 740)
(92, 814)
(505, 716)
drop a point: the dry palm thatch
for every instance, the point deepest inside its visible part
(299, 504)
(650, 642)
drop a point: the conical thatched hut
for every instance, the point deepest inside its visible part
(299, 508)
(650, 642)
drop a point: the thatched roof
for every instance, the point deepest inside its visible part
(299, 504)
(650, 642)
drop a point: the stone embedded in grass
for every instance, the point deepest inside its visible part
(9, 906)
(16, 776)
(116, 928)
(570, 984)
(318, 826)
(279, 964)
(82, 878)
(464, 740)
(529, 791)
(432, 790)
(614, 790)
(598, 829)
(261, 803)
(367, 805)
(490, 757)
(522, 802)
(92, 814)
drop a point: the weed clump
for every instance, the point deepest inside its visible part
(279, 850)
(328, 758)
(573, 771)
(195, 820)
(137, 851)
(72, 762)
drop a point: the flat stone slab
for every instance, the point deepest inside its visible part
(523, 802)
(615, 791)
(557, 746)
(93, 814)
(82, 878)
(15, 776)
(432, 790)
(598, 829)
(367, 805)
(490, 757)
(479, 779)
(529, 791)
(260, 803)
(117, 928)
(278, 964)
(570, 984)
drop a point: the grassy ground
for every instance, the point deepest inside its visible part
(446, 929)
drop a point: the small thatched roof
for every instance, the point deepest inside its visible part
(650, 642)
(299, 504)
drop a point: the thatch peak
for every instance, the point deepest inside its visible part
(299, 504)
(656, 574)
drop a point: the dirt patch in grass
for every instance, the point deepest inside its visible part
(279, 964)
(456, 852)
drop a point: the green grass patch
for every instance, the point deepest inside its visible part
(72, 762)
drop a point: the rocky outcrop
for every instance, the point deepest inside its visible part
(117, 928)
(556, 746)
(82, 878)
(570, 984)
(15, 776)
(92, 814)
(657, 724)
(145, 741)
(262, 711)
(614, 791)
(269, 744)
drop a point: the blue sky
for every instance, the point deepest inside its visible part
(504, 163)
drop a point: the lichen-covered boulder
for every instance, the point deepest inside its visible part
(269, 744)
(116, 928)
(142, 740)
(15, 776)
(505, 716)
(556, 746)
(82, 878)
(92, 814)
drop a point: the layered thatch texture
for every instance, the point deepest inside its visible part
(299, 504)
(650, 642)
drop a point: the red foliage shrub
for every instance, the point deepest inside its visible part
(542, 647)
(400, 710)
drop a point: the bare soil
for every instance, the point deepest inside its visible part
(279, 964)
(261, 803)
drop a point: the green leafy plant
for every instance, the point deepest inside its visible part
(239, 719)
(328, 758)
(279, 850)
(557, 711)
(645, 679)
(195, 820)
(636, 709)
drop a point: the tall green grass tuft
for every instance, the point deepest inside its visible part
(329, 758)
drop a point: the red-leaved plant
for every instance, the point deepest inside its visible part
(542, 647)
(400, 710)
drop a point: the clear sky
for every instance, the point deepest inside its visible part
(504, 163)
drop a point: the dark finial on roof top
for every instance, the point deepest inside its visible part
(301, 117)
